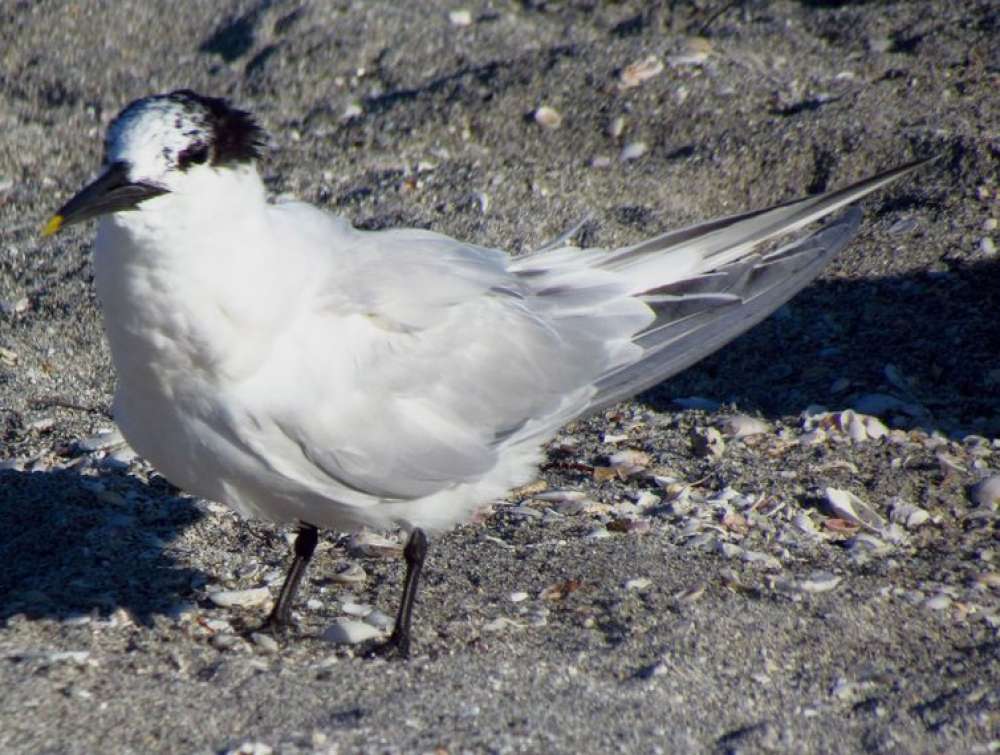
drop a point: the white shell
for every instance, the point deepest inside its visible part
(548, 117)
(633, 75)
(350, 632)
(742, 425)
(256, 596)
(986, 492)
(846, 505)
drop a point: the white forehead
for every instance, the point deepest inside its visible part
(150, 134)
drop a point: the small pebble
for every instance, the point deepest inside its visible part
(987, 246)
(352, 110)
(639, 583)
(517, 597)
(548, 117)
(617, 127)
(633, 151)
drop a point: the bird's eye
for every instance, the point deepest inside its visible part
(196, 154)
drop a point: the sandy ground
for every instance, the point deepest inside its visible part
(692, 623)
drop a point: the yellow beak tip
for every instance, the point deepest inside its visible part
(52, 226)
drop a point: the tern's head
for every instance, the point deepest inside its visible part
(158, 144)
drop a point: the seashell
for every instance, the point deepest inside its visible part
(241, 598)
(633, 75)
(845, 505)
(695, 52)
(370, 544)
(743, 425)
(629, 462)
(986, 492)
(460, 18)
(633, 151)
(350, 632)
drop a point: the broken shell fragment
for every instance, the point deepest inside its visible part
(633, 75)
(845, 505)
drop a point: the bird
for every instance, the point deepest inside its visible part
(272, 357)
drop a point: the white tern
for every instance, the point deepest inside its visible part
(272, 357)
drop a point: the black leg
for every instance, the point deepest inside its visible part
(305, 544)
(398, 644)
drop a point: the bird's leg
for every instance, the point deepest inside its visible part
(305, 544)
(398, 644)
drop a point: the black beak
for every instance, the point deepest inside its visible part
(110, 192)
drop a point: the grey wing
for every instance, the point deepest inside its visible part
(449, 355)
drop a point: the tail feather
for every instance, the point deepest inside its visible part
(724, 240)
(701, 286)
(758, 286)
